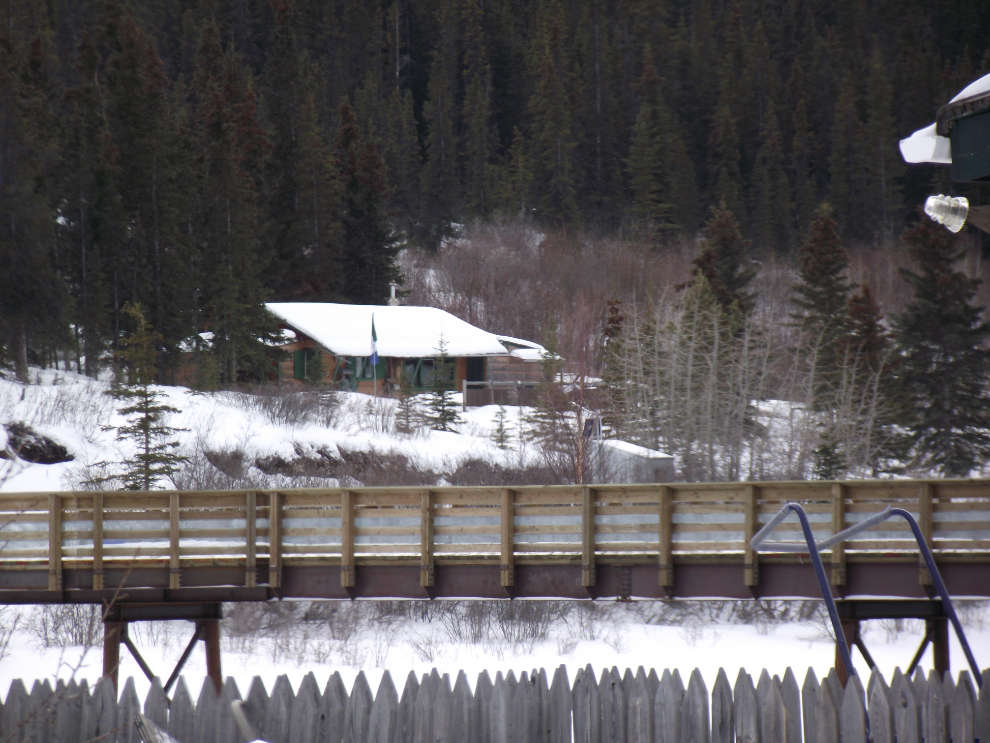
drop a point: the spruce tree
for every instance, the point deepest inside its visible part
(945, 367)
(368, 248)
(232, 148)
(32, 297)
(820, 297)
(440, 179)
(723, 261)
(772, 192)
(443, 415)
(647, 164)
(552, 144)
(156, 458)
(502, 433)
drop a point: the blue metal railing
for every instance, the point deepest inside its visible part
(813, 548)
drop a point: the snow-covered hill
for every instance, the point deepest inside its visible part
(263, 437)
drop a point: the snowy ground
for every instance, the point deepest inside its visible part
(419, 646)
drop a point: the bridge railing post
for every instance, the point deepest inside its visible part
(275, 539)
(54, 542)
(251, 539)
(751, 560)
(838, 577)
(508, 528)
(588, 577)
(426, 564)
(97, 541)
(926, 496)
(174, 575)
(666, 537)
(347, 539)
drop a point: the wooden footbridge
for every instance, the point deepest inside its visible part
(649, 541)
(179, 554)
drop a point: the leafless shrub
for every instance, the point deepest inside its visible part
(61, 625)
(283, 405)
(378, 415)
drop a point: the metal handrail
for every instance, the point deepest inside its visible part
(759, 543)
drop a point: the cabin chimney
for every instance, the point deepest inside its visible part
(392, 301)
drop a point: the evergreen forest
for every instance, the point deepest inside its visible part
(201, 157)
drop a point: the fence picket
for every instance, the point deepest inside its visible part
(722, 720)
(614, 713)
(828, 713)
(500, 710)
(934, 719)
(639, 709)
(205, 717)
(358, 711)
(811, 707)
(666, 711)
(981, 721)
(68, 710)
(256, 706)
(277, 716)
(106, 709)
(746, 709)
(852, 715)
(128, 708)
(156, 704)
(791, 695)
(181, 714)
(961, 721)
(382, 723)
(561, 707)
(586, 706)
(304, 718)
(907, 716)
(881, 717)
(773, 715)
(333, 705)
(695, 724)
(226, 728)
(482, 707)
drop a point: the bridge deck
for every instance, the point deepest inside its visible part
(686, 540)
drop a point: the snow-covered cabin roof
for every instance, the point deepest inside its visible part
(634, 450)
(404, 332)
(520, 349)
(927, 145)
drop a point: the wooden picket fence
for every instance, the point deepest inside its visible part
(633, 707)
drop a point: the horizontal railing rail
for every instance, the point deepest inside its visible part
(259, 532)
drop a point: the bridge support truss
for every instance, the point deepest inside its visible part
(206, 617)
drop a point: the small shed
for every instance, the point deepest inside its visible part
(625, 462)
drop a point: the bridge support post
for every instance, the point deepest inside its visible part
(212, 638)
(113, 632)
(940, 645)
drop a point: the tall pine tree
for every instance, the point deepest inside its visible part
(945, 368)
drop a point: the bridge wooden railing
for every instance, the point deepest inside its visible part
(260, 532)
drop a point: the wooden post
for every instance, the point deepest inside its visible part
(251, 539)
(174, 574)
(347, 539)
(508, 514)
(54, 543)
(588, 578)
(926, 495)
(275, 540)
(212, 639)
(666, 537)
(940, 646)
(838, 577)
(751, 561)
(97, 541)
(112, 634)
(426, 568)
(850, 632)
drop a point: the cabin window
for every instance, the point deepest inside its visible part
(475, 369)
(299, 364)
